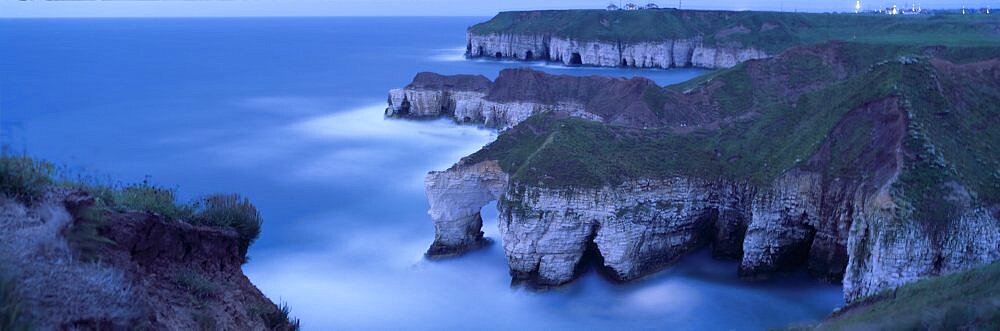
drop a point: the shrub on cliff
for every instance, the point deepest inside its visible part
(230, 211)
(277, 318)
(23, 178)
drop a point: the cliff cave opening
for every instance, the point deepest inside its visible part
(404, 106)
(624, 63)
(529, 56)
(575, 59)
(592, 260)
(498, 55)
(481, 51)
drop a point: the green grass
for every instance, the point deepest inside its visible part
(589, 154)
(768, 31)
(24, 178)
(150, 198)
(968, 299)
(12, 314)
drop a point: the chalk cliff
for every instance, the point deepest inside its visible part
(653, 54)
(839, 174)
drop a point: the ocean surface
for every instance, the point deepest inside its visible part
(289, 113)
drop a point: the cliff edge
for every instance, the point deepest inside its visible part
(70, 258)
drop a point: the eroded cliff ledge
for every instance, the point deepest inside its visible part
(669, 38)
(872, 170)
(79, 267)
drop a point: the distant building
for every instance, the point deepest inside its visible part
(631, 6)
(652, 6)
(612, 7)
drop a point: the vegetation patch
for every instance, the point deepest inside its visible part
(150, 198)
(196, 284)
(24, 178)
(959, 301)
(276, 318)
(230, 211)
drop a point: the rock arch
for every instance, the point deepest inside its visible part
(456, 197)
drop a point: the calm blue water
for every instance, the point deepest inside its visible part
(289, 113)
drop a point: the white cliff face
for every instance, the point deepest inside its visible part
(887, 251)
(456, 196)
(665, 54)
(636, 227)
(782, 226)
(641, 226)
(471, 107)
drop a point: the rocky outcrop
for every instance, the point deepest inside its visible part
(519, 93)
(655, 54)
(456, 197)
(79, 267)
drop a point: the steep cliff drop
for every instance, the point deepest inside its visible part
(845, 172)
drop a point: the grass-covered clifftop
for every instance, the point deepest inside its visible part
(768, 31)
(842, 110)
(965, 300)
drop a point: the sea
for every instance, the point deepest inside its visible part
(289, 112)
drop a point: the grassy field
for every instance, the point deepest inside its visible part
(768, 31)
(965, 300)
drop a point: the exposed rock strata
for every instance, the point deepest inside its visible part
(660, 54)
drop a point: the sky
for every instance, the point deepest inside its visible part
(202, 8)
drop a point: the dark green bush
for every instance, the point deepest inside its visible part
(12, 315)
(233, 212)
(23, 178)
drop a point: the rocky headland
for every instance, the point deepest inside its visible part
(871, 170)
